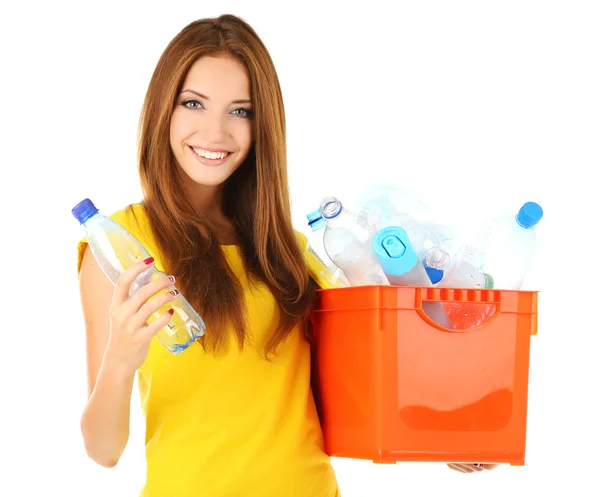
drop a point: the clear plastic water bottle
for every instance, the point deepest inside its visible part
(330, 272)
(386, 205)
(402, 267)
(430, 249)
(348, 245)
(500, 253)
(115, 250)
(498, 257)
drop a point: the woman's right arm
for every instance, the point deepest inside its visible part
(117, 343)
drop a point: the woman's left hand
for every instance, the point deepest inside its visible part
(471, 468)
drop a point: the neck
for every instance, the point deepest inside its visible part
(207, 200)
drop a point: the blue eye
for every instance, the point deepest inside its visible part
(246, 113)
(192, 104)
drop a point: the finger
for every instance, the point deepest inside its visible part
(489, 466)
(152, 329)
(142, 296)
(151, 306)
(469, 468)
(121, 293)
(457, 467)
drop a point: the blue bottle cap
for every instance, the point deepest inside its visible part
(84, 210)
(317, 225)
(529, 214)
(394, 251)
(315, 220)
(314, 216)
(435, 275)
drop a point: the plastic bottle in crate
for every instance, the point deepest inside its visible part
(499, 256)
(402, 267)
(429, 246)
(348, 245)
(330, 272)
(115, 250)
(386, 205)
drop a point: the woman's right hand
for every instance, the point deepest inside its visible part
(130, 335)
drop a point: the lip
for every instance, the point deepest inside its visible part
(210, 162)
(210, 149)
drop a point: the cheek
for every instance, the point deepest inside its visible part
(174, 133)
(176, 140)
(244, 135)
(180, 128)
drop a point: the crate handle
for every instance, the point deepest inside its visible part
(430, 305)
(457, 295)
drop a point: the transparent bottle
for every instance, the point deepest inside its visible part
(348, 245)
(115, 250)
(329, 271)
(386, 205)
(430, 249)
(499, 254)
(498, 257)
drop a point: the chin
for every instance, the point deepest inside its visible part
(210, 179)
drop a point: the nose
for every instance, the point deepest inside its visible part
(214, 128)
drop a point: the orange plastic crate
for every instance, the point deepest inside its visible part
(393, 386)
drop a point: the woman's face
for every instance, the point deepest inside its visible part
(211, 128)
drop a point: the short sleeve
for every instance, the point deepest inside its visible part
(81, 245)
(131, 217)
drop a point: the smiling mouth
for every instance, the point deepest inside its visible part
(207, 154)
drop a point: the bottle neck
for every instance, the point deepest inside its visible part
(93, 219)
(330, 208)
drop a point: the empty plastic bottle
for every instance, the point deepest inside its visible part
(115, 250)
(402, 267)
(385, 205)
(348, 245)
(428, 244)
(330, 272)
(500, 253)
(498, 257)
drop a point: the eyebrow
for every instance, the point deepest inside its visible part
(240, 101)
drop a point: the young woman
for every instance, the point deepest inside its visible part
(233, 415)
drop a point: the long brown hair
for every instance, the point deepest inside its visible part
(256, 196)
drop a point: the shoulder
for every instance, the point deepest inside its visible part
(133, 214)
(133, 218)
(302, 240)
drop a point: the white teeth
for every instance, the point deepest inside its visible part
(209, 155)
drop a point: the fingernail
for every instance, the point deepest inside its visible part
(171, 311)
(149, 261)
(174, 292)
(172, 278)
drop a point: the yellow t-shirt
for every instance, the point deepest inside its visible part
(232, 424)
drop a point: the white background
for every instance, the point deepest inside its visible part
(474, 106)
